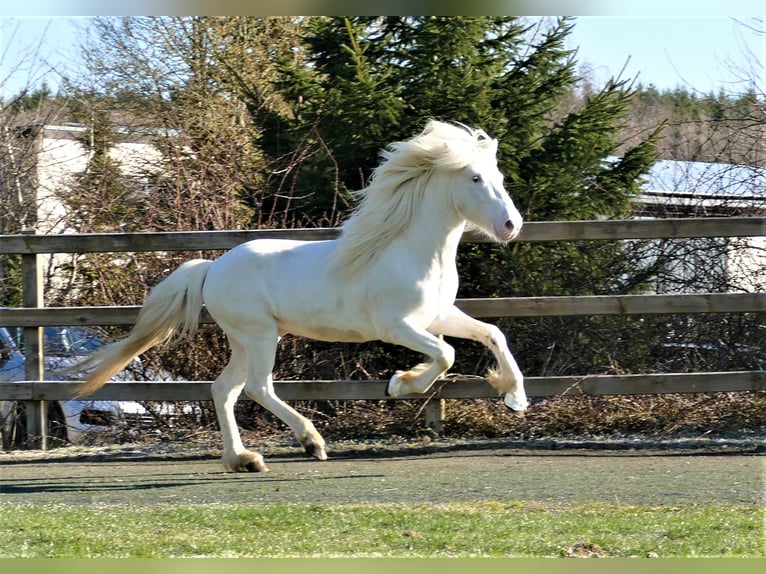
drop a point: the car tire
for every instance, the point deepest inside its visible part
(57, 428)
(15, 434)
(15, 427)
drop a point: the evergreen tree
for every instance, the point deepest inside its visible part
(376, 80)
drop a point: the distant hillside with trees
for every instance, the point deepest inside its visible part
(722, 128)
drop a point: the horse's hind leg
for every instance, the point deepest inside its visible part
(226, 390)
(260, 388)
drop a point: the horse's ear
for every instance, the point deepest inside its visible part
(490, 145)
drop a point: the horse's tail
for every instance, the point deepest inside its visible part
(172, 308)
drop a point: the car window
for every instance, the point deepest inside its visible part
(5, 351)
(62, 341)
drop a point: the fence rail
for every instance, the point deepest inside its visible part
(479, 308)
(34, 315)
(534, 231)
(456, 387)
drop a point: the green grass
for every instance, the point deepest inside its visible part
(290, 530)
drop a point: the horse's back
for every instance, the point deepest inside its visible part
(261, 267)
(289, 284)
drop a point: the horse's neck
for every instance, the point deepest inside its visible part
(428, 239)
(435, 237)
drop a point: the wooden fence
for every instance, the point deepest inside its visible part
(34, 391)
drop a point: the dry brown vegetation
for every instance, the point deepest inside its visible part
(673, 416)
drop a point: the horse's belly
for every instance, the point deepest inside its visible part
(325, 332)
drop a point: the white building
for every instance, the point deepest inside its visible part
(700, 189)
(63, 153)
(54, 156)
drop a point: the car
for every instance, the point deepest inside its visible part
(68, 421)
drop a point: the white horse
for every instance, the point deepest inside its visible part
(390, 276)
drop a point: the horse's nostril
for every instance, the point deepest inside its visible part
(509, 225)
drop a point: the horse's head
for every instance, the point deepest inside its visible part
(481, 198)
(477, 190)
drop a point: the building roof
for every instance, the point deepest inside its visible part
(706, 179)
(704, 186)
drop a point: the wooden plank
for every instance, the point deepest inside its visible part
(159, 241)
(658, 383)
(614, 305)
(455, 387)
(34, 364)
(533, 231)
(66, 316)
(481, 308)
(643, 229)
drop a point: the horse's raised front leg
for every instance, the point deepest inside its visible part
(225, 391)
(420, 378)
(507, 379)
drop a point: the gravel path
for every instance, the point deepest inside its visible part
(695, 472)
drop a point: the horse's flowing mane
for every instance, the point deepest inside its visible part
(392, 198)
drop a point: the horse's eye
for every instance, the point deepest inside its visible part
(476, 178)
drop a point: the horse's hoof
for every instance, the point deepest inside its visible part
(313, 445)
(315, 450)
(394, 385)
(256, 466)
(517, 406)
(247, 462)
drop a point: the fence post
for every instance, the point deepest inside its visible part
(434, 413)
(34, 370)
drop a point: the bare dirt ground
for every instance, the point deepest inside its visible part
(700, 472)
